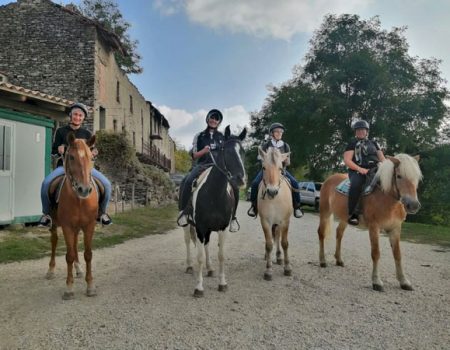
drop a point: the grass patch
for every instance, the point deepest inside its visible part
(34, 243)
(428, 234)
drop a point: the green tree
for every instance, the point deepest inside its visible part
(107, 14)
(356, 70)
(183, 160)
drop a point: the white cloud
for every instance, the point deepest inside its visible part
(262, 18)
(184, 125)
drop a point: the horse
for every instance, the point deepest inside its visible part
(213, 203)
(385, 208)
(77, 210)
(275, 208)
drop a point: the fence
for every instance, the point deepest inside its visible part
(152, 155)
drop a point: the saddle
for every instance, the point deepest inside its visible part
(369, 186)
(57, 184)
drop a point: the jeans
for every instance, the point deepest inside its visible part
(357, 182)
(60, 171)
(292, 180)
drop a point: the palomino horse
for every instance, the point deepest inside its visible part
(275, 207)
(77, 210)
(213, 203)
(384, 209)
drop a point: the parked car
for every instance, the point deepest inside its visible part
(310, 193)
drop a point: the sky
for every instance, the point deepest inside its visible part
(204, 54)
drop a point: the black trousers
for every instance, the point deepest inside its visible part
(357, 182)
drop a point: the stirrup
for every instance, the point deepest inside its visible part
(353, 220)
(105, 219)
(45, 221)
(251, 212)
(234, 225)
(182, 220)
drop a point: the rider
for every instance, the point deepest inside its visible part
(205, 146)
(276, 131)
(77, 113)
(360, 155)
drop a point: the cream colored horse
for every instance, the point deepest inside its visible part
(384, 209)
(275, 207)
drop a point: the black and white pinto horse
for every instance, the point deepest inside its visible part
(213, 204)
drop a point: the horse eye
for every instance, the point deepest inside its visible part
(264, 168)
(399, 177)
(71, 157)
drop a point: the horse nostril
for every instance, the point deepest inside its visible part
(80, 189)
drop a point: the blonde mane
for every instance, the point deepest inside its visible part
(408, 168)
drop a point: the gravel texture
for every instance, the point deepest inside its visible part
(145, 299)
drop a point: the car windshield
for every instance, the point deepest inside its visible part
(318, 186)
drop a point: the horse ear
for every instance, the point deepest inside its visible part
(243, 134)
(70, 138)
(261, 153)
(227, 132)
(417, 158)
(394, 160)
(91, 141)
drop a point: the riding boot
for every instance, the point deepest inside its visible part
(253, 210)
(234, 225)
(104, 219)
(45, 221)
(353, 219)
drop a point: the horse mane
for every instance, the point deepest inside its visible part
(408, 168)
(274, 155)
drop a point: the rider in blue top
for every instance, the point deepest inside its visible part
(205, 145)
(276, 131)
(77, 114)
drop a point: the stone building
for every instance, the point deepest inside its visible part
(51, 48)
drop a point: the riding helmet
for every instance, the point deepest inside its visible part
(214, 112)
(79, 106)
(360, 124)
(276, 126)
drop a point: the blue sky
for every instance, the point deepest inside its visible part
(203, 54)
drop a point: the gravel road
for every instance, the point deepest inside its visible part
(145, 299)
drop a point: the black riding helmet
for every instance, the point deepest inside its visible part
(79, 106)
(214, 113)
(360, 124)
(276, 126)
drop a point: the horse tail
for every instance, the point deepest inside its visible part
(325, 207)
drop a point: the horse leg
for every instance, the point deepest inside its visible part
(277, 238)
(394, 238)
(70, 238)
(323, 232)
(377, 284)
(269, 246)
(222, 281)
(198, 292)
(76, 263)
(52, 264)
(285, 245)
(88, 235)
(209, 269)
(187, 241)
(339, 234)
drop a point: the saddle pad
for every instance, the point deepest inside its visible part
(202, 177)
(344, 188)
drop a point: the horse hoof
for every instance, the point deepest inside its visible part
(340, 263)
(288, 272)
(323, 264)
(79, 274)
(406, 287)
(279, 261)
(190, 270)
(268, 277)
(198, 293)
(378, 287)
(223, 287)
(91, 292)
(68, 296)
(210, 273)
(50, 275)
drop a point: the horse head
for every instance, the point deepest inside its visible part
(401, 175)
(272, 165)
(78, 164)
(233, 156)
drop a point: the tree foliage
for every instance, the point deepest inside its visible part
(183, 160)
(107, 13)
(356, 70)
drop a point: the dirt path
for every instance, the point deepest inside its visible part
(145, 299)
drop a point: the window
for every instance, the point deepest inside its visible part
(118, 91)
(131, 104)
(102, 118)
(115, 125)
(134, 139)
(5, 148)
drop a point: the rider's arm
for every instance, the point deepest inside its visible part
(348, 160)
(201, 153)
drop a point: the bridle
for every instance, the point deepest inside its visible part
(68, 174)
(225, 170)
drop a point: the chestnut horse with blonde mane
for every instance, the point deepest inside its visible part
(77, 210)
(275, 208)
(383, 209)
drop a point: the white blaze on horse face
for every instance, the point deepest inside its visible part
(237, 148)
(81, 153)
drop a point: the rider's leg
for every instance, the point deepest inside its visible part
(185, 195)
(254, 194)
(234, 224)
(356, 185)
(103, 215)
(298, 213)
(46, 220)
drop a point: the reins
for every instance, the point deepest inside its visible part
(68, 173)
(225, 171)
